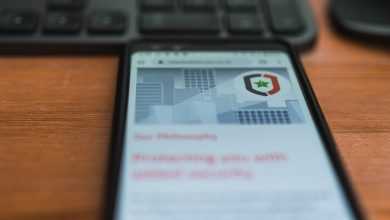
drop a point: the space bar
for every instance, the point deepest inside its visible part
(204, 23)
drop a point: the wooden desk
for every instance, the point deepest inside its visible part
(55, 117)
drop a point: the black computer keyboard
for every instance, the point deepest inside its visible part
(113, 22)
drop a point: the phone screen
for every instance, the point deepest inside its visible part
(223, 135)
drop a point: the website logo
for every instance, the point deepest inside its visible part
(264, 84)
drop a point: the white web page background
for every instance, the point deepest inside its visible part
(225, 171)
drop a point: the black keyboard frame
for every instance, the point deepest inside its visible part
(39, 39)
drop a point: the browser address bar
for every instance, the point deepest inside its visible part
(204, 62)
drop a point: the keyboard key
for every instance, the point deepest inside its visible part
(182, 23)
(66, 4)
(285, 16)
(107, 22)
(18, 21)
(199, 5)
(157, 4)
(244, 23)
(63, 22)
(240, 5)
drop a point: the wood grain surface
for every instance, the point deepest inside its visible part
(56, 111)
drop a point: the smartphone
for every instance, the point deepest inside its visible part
(222, 130)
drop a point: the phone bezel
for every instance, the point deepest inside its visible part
(121, 102)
